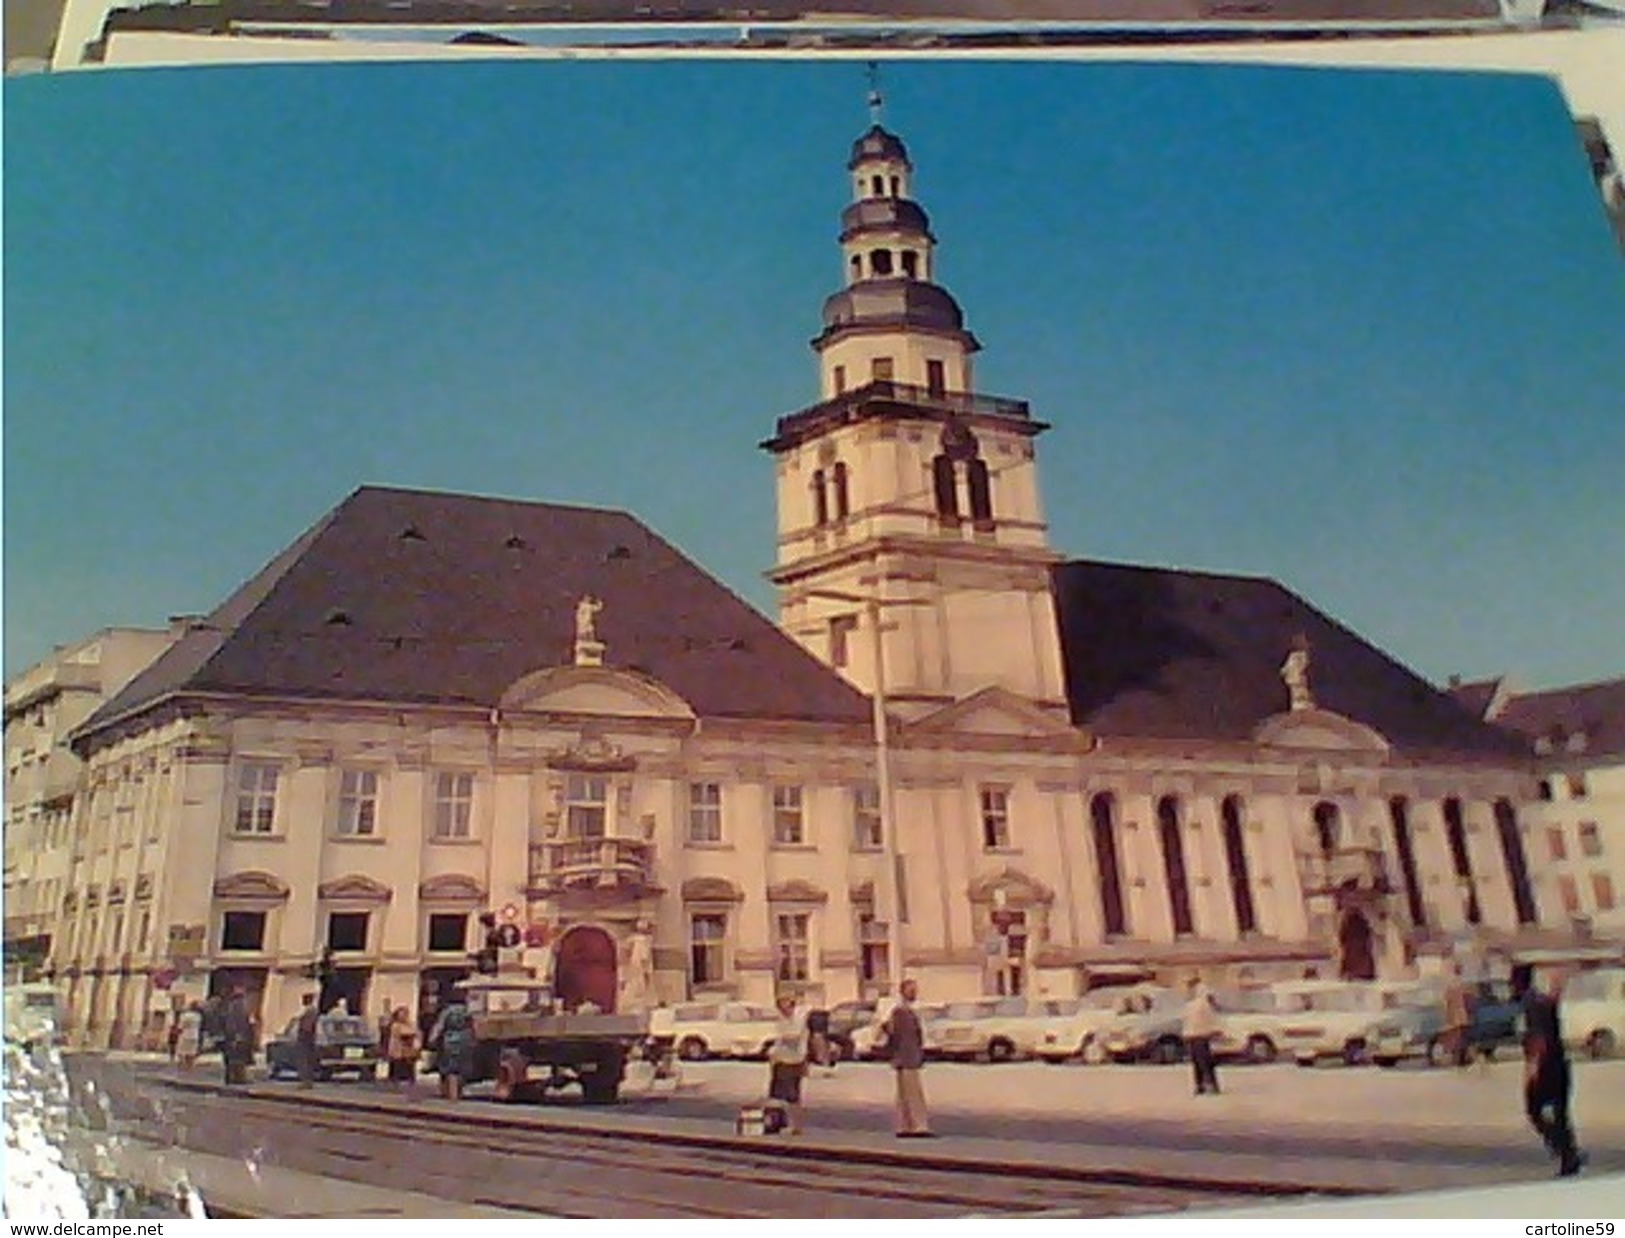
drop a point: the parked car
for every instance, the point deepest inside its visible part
(846, 1018)
(722, 1029)
(1340, 1021)
(1072, 1032)
(345, 1045)
(1417, 1031)
(1147, 1029)
(33, 1017)
(866, 1040)
(999, 1029)
(1592, 1011)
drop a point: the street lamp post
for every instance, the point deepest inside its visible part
(872, 604)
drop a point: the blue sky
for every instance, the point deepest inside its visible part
(1357, 331)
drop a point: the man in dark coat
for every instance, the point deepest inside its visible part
(1547, 1082)
(905, 1041)
(237, 1049)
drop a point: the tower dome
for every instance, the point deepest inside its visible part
(878, 144)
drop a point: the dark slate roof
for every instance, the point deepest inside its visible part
(1164, 653)
(893, 302)
(1476, 697)
(419, 597)
(1586, 719)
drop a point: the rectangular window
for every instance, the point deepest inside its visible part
(788, 827)
(243, 930)
(256, 798)
(881, 369)
(1555, 841)
(358, 803)
(995, 818)
(453, 805)
(704, 812)
(707, 936)
(936, 378)
(586, 806)
(1544, 791)
(1569, 892)
(448, 931)
(791, 945)
(347, 930)
(871, 947)
(841, 628)
(866, 833)
(1577, 786)
(840, 380)
(1602, 889)
(1590, 839)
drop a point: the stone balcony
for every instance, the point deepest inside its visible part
(1348, 868)
(622, 867)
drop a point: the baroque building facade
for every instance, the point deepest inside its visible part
(431, 705)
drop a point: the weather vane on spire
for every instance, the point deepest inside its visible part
(876, 99)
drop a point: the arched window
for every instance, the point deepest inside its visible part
(1523, 896)
(820, 499)
(942, 471)
(880, 262)
(842, 506)
(981, 494)
(857, 266)
(1235, 858)
(1326, 830)
(1173, 862)
(1455, 828)
(1399, 813)
(911, 264)
(878, 184)
(896, 186)
(1103, 825)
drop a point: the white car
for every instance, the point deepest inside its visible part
(1000, 1029)
(1073, 1031)
(32, 1015)
(1147, 1029)
(1592, 1011)
(721, 1029)
(1342, 1020)
(866, 1040)
(1252, 1021)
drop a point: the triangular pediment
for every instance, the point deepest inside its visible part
(355, 887)
(451, 888)
(994, 711)
(597, 690)
(251, 885)
(1318, 730)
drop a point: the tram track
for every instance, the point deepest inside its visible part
(546, 1162)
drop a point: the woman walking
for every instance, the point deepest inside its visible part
(453, 1039)
(401, 1048)
(189, 1038)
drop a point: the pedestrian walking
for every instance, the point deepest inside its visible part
(787, 1060)
(1199, 1026)
(237, 1046)
(1547, 1081)
(905, 1042)
(401, 1047)
(188, 1035)
(1458, 1019)
(306, 1031)
(453, 1042)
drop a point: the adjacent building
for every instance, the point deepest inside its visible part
(43, 777)
(1577, 734)
(431, 705)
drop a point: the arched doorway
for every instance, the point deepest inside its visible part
(586, 969)
(1357, 961)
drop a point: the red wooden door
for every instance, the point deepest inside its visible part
(586, 969)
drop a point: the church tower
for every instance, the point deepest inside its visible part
(906, 487)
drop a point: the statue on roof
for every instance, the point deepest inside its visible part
(1295, 673)
(587, 618)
